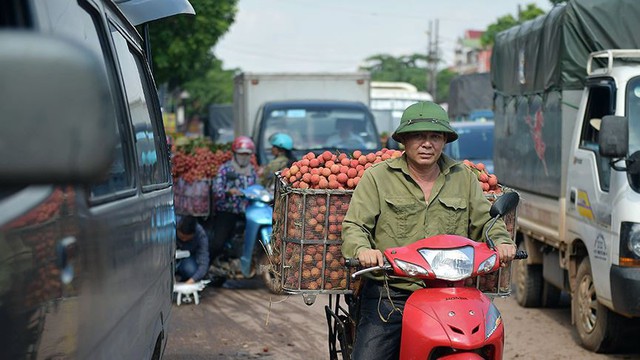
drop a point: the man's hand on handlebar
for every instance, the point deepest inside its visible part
(370, 257)
(506, 253)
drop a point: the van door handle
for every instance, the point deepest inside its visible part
(66, 251)
(572, 196)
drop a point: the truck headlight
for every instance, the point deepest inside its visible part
(630, 244)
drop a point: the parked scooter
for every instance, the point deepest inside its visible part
(245, 255)
(448, 319)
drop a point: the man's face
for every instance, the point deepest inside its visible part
(184, 237)
(424, 148)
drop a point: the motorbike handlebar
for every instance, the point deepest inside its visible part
(520, 255)
(351, 262)
(354, 262)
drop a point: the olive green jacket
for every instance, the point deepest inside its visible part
(388, 209)
(267, 179)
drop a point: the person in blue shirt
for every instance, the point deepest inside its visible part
(192, 237)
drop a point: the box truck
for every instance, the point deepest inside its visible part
(308, 106)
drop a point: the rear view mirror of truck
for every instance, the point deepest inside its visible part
(56, 108)
(614, 136)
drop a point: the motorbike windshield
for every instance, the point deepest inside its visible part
(321, 128)
(633, 116)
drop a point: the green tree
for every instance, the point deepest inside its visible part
(531, 11)
(444, 78)
(181, 45)
(407, 68)
(215, 87)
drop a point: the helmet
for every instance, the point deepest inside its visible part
(425, 116)
(243, 145)
(281, 140)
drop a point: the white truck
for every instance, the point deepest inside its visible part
(389, 99)
(307, 106)
(567, 138)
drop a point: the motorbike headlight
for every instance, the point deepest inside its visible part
(450, 264)
(488, 264)
(266, 197)
(493, 321)
(411, 269)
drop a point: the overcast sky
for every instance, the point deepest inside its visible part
(337, 35)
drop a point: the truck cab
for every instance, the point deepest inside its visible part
(603, 187)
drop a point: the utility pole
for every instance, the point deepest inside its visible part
(433, 58)
(436, 60)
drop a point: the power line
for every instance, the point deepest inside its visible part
(278, 56)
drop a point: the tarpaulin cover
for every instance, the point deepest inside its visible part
(551, 51)
(528, 142)
(468, 93)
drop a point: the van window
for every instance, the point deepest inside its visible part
(65, 19)
(152, 160)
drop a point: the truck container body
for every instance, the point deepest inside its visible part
(555, 78)
(307, 106)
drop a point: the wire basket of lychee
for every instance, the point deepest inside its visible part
(488, 181)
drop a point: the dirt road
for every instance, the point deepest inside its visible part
(244, 321)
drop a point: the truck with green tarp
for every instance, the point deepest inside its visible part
(567, 133)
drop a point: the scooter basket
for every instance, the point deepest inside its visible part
(307, 240)
(192, 198)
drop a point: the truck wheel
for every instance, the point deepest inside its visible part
(528, 281)
(599, 329)
(269, 276)
(550, 295)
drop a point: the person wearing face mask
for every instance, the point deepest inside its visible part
(234, 175)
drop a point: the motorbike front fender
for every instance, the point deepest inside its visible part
(251, 235)
(447, 317)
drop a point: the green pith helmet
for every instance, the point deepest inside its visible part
(425, 116)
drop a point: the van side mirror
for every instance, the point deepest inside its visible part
(58, 117)
(613, 138)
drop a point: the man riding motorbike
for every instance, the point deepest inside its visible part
(399, 201)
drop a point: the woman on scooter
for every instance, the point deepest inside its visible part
(281, 146)
(399, 201)
(234, 175)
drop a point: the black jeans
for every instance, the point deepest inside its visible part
(224, 226)
(379, 327)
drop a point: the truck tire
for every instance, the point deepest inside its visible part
(528, 281)
(599, 329)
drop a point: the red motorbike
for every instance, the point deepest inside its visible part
(453, 316)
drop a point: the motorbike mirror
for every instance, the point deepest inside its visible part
(504, 204)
